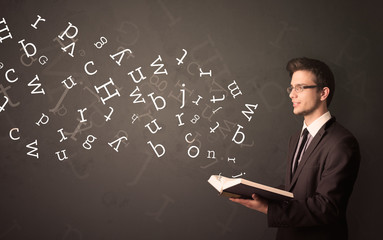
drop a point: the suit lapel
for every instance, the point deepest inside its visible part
(306, 155)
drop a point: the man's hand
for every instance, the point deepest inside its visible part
(258, 203)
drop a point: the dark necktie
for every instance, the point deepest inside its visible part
(300, 149)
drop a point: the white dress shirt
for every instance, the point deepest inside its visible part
(313, 129)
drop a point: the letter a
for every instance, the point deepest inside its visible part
(123, 138)
(70, 36)
(122, 53)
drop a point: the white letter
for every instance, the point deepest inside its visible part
(122, 53)
(250, 110)
(186, 138)
(44, 61)
(81, 111)
(10, 80)
(66, 32)
(86, 68)
(86, 144)
(154, 101)
(2, 108)
(107, 91)
(34, 149)
(157, 127)
(180, 123)
(197, 151)
(72, 45)
(201, 73)
(137, 95)
(34, 50)
(61, 158)
(36, 85)
(38, 20)
(4, 29)
(41, 120)
(230, 87)
(62, 134)
(238, 132)
(155, 149)
(101, 43)
(11, 136)
(71, 80)
(159, 65)
(119, 142)
(208, 154)
(139, 71)
(180, 61)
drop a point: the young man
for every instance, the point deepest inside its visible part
(322, 164)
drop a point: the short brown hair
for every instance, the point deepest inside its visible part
(322, 72)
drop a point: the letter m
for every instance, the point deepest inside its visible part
(34, 150)
(249, 106)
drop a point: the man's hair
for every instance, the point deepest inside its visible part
(323, 74)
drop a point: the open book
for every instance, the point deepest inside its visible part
(242, 188)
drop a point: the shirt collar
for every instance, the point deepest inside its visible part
(314, 127)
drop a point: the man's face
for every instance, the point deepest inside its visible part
(307, 102)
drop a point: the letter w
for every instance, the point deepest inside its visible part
(36, 85)
(250, 110)
(159, 65)
(34, 149)
(137, 95)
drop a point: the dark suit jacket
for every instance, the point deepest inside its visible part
(322, 185)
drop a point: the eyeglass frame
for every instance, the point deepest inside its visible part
(301, 87)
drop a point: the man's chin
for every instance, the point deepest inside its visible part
(297, 112)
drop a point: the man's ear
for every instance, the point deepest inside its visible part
(324, 93)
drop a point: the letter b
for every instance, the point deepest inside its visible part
(238, 132)
(155, 149)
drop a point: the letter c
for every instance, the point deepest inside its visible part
(186, 138)
(86, 68)
(6, 76)
(11, 136)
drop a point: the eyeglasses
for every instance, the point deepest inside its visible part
(299, 88)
